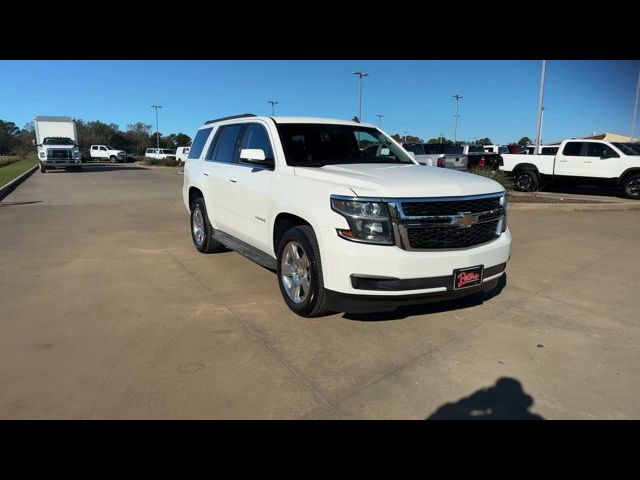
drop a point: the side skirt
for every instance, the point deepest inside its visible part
(252, 253)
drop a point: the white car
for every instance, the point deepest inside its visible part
(159, 153)
(594, 162)
(181, 154)
(347, 226)
(107, 153)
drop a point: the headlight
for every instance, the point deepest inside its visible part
(369, 220)
(502, 224)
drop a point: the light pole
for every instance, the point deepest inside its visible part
(635, 111)
(541, 122)
(441, 137)
(157, 128)
(455, 128)
(405, 136)
(379, 115)
(360, 75)
(273, 107)
(540, 107)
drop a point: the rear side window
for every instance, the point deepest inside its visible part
(549, 150)
(226, 146)
(199, 141)
(572, 149)
(433, 148)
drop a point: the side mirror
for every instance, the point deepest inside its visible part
(255, 155)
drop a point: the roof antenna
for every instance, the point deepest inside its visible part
(356, 119)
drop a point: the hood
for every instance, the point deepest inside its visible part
(386, 180)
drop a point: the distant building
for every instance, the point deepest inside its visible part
(606, 136)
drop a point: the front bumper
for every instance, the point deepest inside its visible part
(342, 259)
(61, 162)
(349, 303)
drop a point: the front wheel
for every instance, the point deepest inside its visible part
(300, 272)
(632, 186)
(43, 169)
(113, 159)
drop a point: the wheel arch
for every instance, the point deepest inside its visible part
(628, 172)
(283, 222)
(194, 192)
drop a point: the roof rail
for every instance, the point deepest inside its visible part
(244, 115)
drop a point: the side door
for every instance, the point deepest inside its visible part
(94, 151)
(219, 180)
(570, 160)
(600, 161)
(252, 205)
(103, 152)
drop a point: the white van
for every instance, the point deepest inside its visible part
(181, 154)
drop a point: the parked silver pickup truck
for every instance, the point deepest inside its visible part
(438, 155)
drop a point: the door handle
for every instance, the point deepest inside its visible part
(233, 180)
(588, 161)
(206, 174)
(563, 161)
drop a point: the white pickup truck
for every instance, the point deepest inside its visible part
(346, 227)
(594, 162)
(107, 153)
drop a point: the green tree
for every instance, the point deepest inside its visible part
(181, 140)
(440, 140)
(484, 141)
(524, 141)
(8, 137)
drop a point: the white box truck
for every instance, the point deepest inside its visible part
(57, 142)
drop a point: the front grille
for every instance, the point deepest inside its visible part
(449, 207)
(451, 237)
(58, 153)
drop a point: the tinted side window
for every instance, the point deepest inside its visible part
(572, 149)
(199, 141)
(255, 136)
(600, 150)
(227, 144)
(549, 150)
(433, 148)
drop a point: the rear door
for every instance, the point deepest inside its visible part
(219, 180)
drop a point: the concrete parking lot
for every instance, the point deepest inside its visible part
(107, 311)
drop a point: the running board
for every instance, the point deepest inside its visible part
(246, 250)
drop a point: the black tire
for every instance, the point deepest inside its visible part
(205, 244)
(526, 180)
(113, 159)
(43, 169)
(314, 303)
(631, 186)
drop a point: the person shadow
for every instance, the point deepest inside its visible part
(506, 400)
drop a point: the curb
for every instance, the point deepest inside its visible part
(7, 188)
(575, 207)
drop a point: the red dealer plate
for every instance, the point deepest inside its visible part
(467, 277)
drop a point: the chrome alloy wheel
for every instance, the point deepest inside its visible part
(295, 272)
(197, 226)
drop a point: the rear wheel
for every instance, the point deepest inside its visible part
(201, 229)
(526, 181)
(631, 186)
(43, 169)
(300, 272)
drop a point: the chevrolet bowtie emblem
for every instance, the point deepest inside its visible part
(464, 220)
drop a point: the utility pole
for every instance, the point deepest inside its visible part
(379, 115)
(360, 75)
(157, 128)
(273, 107)
(541, 122)
(441, 137)
(635, 111)
(540, 107)
(405, 136)
(455, 128)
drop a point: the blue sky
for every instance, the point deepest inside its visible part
(500, 97)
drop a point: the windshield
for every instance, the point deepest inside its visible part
(110, 148)
(58, 141)
(628, 148)
(317, 145)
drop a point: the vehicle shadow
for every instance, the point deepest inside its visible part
(9, 204)
(584, 190)
(429, 308)
(506, 400)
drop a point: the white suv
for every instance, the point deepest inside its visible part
(159, 153)
(346, 226)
